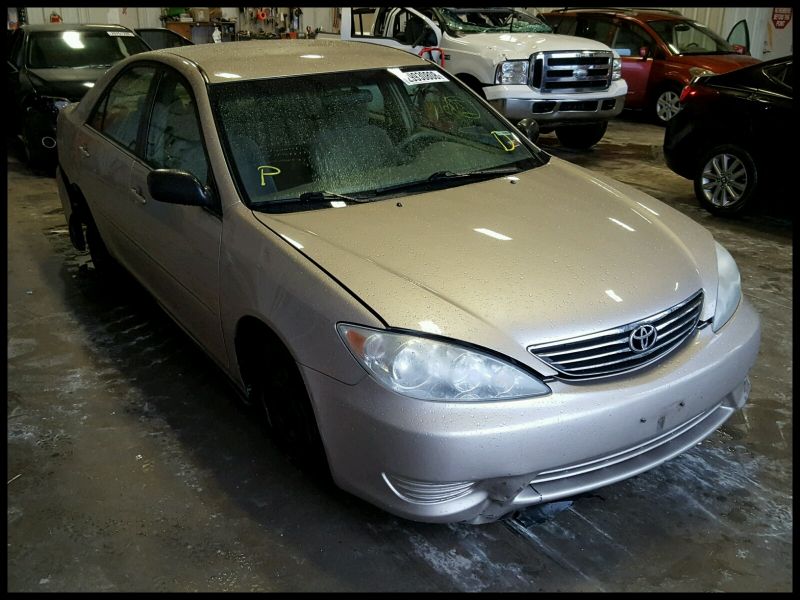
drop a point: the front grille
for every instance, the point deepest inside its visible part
(609, 352)
(579, 71)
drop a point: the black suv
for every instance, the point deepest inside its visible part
(50, 66)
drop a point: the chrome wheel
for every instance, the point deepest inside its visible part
(667, 105)
(723, 180)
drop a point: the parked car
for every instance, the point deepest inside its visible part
(455, 322)
(661, 50)
(158, 38)
(724, 139)
(50, 66)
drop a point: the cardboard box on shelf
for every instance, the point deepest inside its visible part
(200, 15)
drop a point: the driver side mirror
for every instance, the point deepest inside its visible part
(644, 52)
(177, 187)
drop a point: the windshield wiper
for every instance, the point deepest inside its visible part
(315, 197)
(443, 176)
(477, 173)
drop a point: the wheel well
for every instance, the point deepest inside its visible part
(252, 338)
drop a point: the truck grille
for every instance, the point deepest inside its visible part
(611, 352)
(579, 71)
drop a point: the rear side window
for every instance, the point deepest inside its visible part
(118, 114)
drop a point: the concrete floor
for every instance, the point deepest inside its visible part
(131, 468)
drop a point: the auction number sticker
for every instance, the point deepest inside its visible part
(418, 77)
(120, 34)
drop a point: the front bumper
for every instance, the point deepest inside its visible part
(517, 102)
(447, 462)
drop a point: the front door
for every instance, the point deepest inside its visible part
(635, 47)
(403, 28)
(182, 243)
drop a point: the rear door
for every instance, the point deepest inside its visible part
(106, 146)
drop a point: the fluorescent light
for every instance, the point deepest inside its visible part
(73, 39)
(493, 234)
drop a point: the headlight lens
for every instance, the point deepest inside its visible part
(729, 288)
(56, 102)
(616, 69)
(512, 72)
(700, 72)
(429, 369)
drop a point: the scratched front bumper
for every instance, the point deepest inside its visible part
(518, 453)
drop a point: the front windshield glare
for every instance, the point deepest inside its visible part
(689, 37)
(358, 133)
(77, 49)
(493, 20)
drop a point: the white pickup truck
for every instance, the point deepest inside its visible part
(540, 80)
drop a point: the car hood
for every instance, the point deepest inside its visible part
(65, 83)
(718, 63)
(563, 252)
(509, 46)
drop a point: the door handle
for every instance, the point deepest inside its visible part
(84, 150)
(139, 195)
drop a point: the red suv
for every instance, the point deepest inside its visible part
(661, 50)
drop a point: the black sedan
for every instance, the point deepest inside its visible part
(727, 137)
(50, 66)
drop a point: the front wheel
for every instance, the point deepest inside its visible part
(667, 104)
(581, 137)
(726, 180)
(278, 388)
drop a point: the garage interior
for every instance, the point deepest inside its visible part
(131, 467)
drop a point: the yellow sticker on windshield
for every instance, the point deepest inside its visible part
(507, 140)
(267, 171)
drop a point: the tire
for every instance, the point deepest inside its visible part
(103, 262)
(581, 137)
(277, 389)
(726, 180)
(667, 104)
(32, 154)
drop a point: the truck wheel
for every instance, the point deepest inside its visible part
(726, 180)
(581, 137)
(667, 104)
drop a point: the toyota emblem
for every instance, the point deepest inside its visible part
(642, 338)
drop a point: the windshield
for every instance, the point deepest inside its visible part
(492, 20)
(76, 49)
(690, 37)
(359, 135)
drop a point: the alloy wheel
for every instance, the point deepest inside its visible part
(724, 180)
(668, 105)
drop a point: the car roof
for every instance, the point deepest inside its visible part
(645, 14)
(72, 27)
(260, 59)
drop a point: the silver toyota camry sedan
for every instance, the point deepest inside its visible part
(450, 320)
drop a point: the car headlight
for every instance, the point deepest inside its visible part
(616, 69)
(512, 72)
(729, 288)
(700, 72)
(429, 369)
(55, 102)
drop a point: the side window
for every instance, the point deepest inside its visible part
(565, 26)
(630, 38)
(411, 30)
(362, 19)
(595, 29)
(118, 114)
(174, 139)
